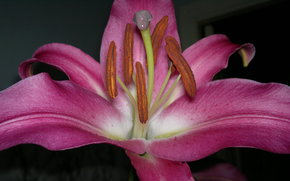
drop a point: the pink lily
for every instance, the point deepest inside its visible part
(62, 115)
(219, 172)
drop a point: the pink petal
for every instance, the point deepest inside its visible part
(60, 115)
(210, 55)
(224, 113)
(78, 66)
(122, 13)
(156, 169)
(220, 172)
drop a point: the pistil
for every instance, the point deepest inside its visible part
(142, 20)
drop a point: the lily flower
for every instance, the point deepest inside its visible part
(219, 172)
(146, 96)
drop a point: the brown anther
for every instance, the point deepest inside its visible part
(128, 54)
(174, 43)
(182, 67)
(157, 36)
(111, 71)
(142, 100)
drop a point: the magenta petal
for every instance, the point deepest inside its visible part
(122, 13)
(210, 55)
(156, 169)
(59, 115)
(220, 172)
(224, 113)
(78, 66)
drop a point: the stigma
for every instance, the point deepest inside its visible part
(142, 77)
(142, 19)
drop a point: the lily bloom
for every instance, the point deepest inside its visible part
(146, 96)
(218, 172)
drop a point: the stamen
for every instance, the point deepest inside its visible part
(157, 36)
(182, 67)
(165, 97)
(176, 46)
(128, 54)
(156, 103)
(111, 71)
(142, 101)
(169, 92)
(135, 120)
(173, 43)
(127, 91)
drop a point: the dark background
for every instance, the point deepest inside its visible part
(81, 23)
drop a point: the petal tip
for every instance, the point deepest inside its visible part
(247, 53)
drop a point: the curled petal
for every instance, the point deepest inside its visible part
(81, 68)
(211, 54)
(224, 113)
(60, 115)
(157, 169)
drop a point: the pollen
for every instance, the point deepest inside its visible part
(128, 54)
(142, 100)
(111, 71)
(174, 44)
(182, 66)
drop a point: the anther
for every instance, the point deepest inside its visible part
(174, 43)
(128, 54)
(142, 100)
(157, 36)
(182, 67)
(142, 19)
(111, 71)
